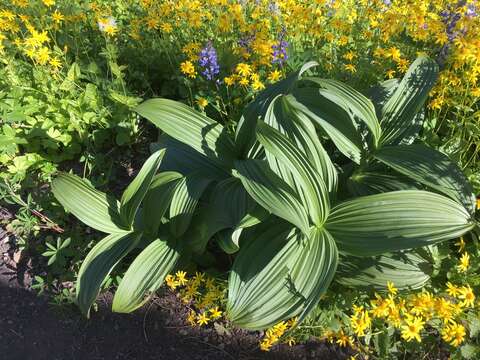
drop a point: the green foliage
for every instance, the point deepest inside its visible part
(291, 255)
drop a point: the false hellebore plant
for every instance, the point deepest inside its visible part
(271, 195)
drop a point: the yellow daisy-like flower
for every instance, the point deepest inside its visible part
(202, 102)
(452, 290)
(49, 2)
(464, 263)
(454, 333)
(411, 329)
(350, 67)
(274, 76)
(181, 277)
(188, 69)
(215, 313)
(461, 244)
(243, 69)
(391, 288)
(467, 295)
(202, 319)
(58, 17)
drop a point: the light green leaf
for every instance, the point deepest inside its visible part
(92, 207)
(407, 270)
(157, 200)
(310, 186)
(99, 263)
(279, 273)
(187, 193)
(352, 101)
(400, 119)
(271, 192)
(145, 275)
(337, 123)
(398, 220)
(190, 127)
(431, 168)
(136, 190)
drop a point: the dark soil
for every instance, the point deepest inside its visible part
(32, 328)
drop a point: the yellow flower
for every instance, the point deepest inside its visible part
(55, 63)
(452, 290)
(215, 313)
(188, 69)
(467, 295)
(202, 102)
(181, 277)
(391, 288)
(49, 2)
(58, 17)
(191, 318)
(461, 244)
(464, 263)
(265, 344)
(390, 74)
(42, 55)
(478, 203)
(202, 319)
(453, 333)
(274, 76)
(229, 80)
(166, 28)
(257, 85)
(349, 56)
(290, 341)
(350, 67)
(394, 53)
(171, 282)
(360, 321)
(243, 69)
(444, 309)
(343, 340)
(411, 329)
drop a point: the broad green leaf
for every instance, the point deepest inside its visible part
(398, 220)
(299, 129)
(278, 274)
(407, 270)
(310, 186)
(185, 199)
(190, 127)
(182, 158)
(400, 119)
(372, 182)
(337, 123)
(271, 192)
(430, 168)
(92, 207)
(157, 200)
(145, 275)
(99, 263)
(229, 240)
(244, 137)
(136, 190)
(352, 101)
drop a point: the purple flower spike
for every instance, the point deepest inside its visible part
(209, 62)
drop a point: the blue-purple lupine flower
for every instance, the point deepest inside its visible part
(209, 62)
(280, 49)
(387, 2)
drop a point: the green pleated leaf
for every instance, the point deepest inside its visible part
(190, 127)
(184, 159)
(157, 200)
(278, 274)
(310, 186)
(99, 263)
(271, 192)
(375, 182)
(136, 190)
(299, 129)
(229, 240)
(92, 207)
(185, 199)
(352, 101)
(337, 123)
(144, 276)
(431, 168)
(245, 133)
(398, 220)
(400, 120)
(407, 270)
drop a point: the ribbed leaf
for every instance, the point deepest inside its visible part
(92, 207)
(187, 193)
(145, 275)
(397, 220)
(299, 129)
(352, 101)
(229, 240)
(157, 201)
(311, 188)
(333, 119)
(99, 263)
(184, 159)
(279, 274)
(136, 190)
(407, 270)
(375, 182)
(400, 119)
(431, 168)
(245, 134)
(271, 192)
(191, 128)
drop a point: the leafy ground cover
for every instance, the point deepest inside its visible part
(71, 74)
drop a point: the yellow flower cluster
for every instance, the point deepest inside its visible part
(275, 333)
(203, 294)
